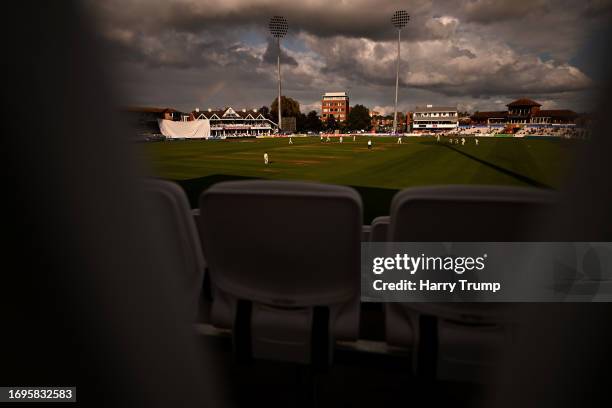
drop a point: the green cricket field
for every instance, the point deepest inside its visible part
(377, 174)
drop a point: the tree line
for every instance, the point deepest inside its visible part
(358, 118)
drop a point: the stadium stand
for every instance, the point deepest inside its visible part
(168, 198)
(302, 299)
(454, 341)
(286, 314)
(474, 131)
(285, 272)
(565, 132)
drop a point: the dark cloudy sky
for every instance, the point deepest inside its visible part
(477, 54)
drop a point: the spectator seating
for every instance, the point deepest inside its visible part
(284, 261)
(459, 341)
(168, 198)
(284, 264)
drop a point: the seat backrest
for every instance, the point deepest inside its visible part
(170, 201)
(380, 229)
(469, 214)
(365, 233)
(460, 214)
(284, 259)
(283, 243)
(195, 213)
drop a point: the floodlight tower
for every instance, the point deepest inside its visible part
(278, 28)
(400, 20)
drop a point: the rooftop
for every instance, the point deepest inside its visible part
(228, 113)
(524, 102)
(431, 108)
(335, 94)
(488, 115)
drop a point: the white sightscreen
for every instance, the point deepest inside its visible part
(189, 130)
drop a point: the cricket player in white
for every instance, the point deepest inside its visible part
(340, 139)
(353, 138)
(399, 140)
(463, 141)
(266, 158)
(438, 138)
(476, 140)
(290, 140)
(369, 144)
(328, 139)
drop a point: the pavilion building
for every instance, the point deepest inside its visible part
(525, 112)
(231, 123)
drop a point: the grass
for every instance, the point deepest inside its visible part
(377, 174)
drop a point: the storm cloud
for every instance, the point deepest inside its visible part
(477, 54)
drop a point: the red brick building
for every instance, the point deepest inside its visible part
(336, 104)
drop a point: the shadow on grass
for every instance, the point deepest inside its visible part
(513, 174)
(376, 201)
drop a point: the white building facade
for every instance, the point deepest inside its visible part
(231, 123)
(432, 118)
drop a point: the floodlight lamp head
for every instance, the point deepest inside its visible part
(400, 19)
(278, 26)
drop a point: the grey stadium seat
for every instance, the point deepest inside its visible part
(380, 229)
(170, 200)
(196, 219)
(365, 233)
(284, 260)
(459, 341)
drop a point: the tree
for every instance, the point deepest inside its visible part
(265, 111)
(343, 126)
(401, 122)
(359, 118)
(313, 122)
(290, 107)
(301, 123)
(331, 123)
